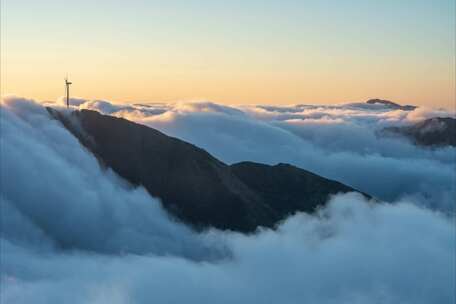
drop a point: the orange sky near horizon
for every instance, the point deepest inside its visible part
(234, 55)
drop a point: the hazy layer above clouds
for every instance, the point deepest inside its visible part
(72, 232)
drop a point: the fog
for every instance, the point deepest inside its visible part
(73, 232)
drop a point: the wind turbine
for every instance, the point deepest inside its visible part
(67, 91)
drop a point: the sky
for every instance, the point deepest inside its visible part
(232, 52)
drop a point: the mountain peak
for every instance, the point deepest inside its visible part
(391, 104)
(193, 185)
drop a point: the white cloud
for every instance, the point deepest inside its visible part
(339, 142)
(126, 249)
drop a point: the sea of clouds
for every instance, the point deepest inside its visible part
(340, 142)
(72, 232)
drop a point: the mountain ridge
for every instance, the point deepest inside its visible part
(432, 132)
(391, 105)
(193, 185)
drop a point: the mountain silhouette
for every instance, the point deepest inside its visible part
(391, 105)
(193, 185)
(437, 131)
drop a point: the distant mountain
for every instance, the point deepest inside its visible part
(438, 131)
(391, 105)
(193, 185)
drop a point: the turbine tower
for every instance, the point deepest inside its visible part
(67, 91)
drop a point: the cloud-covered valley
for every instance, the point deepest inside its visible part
(74, 232)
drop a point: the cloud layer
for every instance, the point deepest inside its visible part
(340, 142)
(72, 232)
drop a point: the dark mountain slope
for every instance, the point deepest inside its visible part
(279, 186)
(192, 184)
(438, 131)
